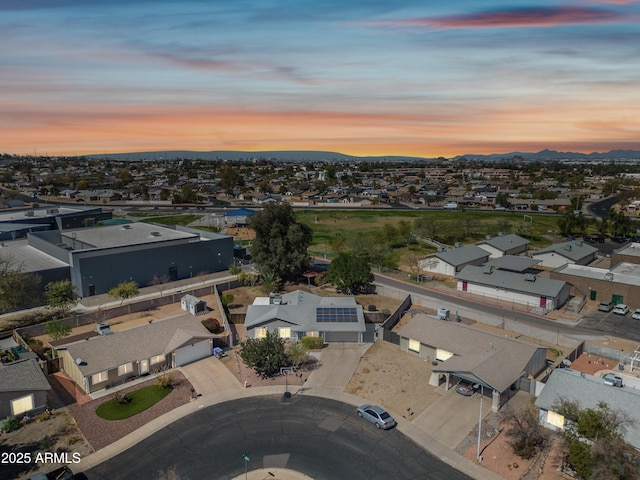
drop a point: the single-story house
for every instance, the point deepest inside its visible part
(193, 305)
(450, 262)
(513, 263)
(239, 217)
(577, 252)
(510, 244)
(588, 391)
(500, 364)
(23, 388)
(297, 314)
(106, 360)
(523, 289)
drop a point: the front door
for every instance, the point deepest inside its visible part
(144, 366)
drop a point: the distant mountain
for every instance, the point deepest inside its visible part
(321, 156)
(282, 156)
(546, 155)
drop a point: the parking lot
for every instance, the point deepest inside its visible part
(611, 324)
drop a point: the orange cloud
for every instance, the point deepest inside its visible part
(520, 17)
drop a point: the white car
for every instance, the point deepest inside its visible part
(636, 315)
(621, 309)
(451, 206)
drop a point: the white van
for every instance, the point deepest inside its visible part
(451, 206)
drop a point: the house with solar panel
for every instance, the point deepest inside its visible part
(298, 314)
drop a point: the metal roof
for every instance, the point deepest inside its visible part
(513, 281)
(506, 242)
(462, 255)
(573, 250)
(513, 262)
(625, 273)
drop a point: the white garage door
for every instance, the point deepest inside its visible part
(194, 352)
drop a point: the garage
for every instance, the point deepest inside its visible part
(342, 336)
(193, 352)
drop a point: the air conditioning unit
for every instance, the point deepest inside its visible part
(529, 277)
(608, 277)
(488, 270)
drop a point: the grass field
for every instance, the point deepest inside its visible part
(451, 225)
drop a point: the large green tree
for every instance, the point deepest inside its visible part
(265, 355)
(594, 438)
(280, 245)
(350, 273)
(60, 295)
(18, 289)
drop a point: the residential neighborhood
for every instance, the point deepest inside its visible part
(156, 300)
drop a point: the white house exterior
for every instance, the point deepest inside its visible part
(560, 254)
(453, 260)
(527, 290)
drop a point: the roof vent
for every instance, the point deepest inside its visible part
(608, 277)
(126, 227)
(78, 361)
(488, 270)
(29, 213)
(155, 234)
(529, 277)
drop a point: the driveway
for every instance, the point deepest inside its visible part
(209, 376)
(450, 418)
(338, 362)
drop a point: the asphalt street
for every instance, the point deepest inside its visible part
(321, 438)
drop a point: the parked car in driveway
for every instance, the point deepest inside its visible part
(605, 306)
(621, 309)
(636, 315)
(376, 415)
(467, 389)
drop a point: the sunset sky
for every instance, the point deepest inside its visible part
(362, 77)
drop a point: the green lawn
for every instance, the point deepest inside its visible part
(140, 400)
(182, 220)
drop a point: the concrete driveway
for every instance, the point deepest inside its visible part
(338, 362)
(209, 376)
(450, 418)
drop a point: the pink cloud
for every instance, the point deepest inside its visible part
(522, 17)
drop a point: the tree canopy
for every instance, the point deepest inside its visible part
(57, 330)
(280, 245)
(61, 295)
(350, 273)
(18, 289)
(265, 355)
(124, 291)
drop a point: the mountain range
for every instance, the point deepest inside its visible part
(322, 156)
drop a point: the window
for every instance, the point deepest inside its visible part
(99, 377)
(22, 404)
(157, 359)
(414, 346)
(261, 332)
(555, 419)
(284, 332)
(124, 369)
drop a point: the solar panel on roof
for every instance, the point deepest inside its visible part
(337, 314)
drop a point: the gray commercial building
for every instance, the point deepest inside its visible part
(99, 258)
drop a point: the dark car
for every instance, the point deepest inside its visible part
(467, 389)
(376, 415)
(605, 306)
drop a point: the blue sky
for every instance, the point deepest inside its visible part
(359, 77)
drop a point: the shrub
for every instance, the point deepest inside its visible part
(312, 343)
(43, 417)
(212, 324)
(9, 424)
(165, 379)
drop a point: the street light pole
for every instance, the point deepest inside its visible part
(479, 457)
(245, 457)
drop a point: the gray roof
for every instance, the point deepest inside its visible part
(495, 360)
(299, 308)
(29, 258)
(513, 262)
(624, 273)
(120, 235)
(506, 242)
(462, 255)
(512, 281)
(588, 391)
(631, 249)
(22, 376)
(572, 250)
(101, 353)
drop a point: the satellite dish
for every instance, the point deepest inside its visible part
(78, 361)
(566, 362)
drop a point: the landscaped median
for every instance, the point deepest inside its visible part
(132, 403)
